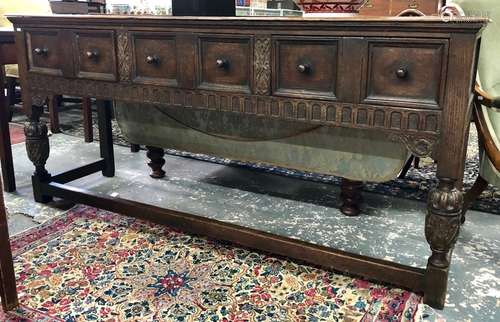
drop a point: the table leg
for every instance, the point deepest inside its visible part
(8, 290)
(5, 144)
(87, 119)
(53, 105)
(38, 150)
(157, 161)
(134, 148)
(442, 226)
(106, 137)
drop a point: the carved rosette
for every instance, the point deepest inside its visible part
(262, 65)
(37, 142)
(419, 146)
(442, 223)
(124, 58)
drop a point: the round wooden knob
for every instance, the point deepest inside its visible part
(402, 72)
(92, 54)
(222, 63)
(41, 51)
(152, 60)
(304, 68)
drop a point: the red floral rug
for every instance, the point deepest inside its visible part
(93, 265)
(16, 133)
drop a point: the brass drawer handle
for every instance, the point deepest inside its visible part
(92, 54)
(41, 51)
(304, 68)
(222, 63)
(153, 60)
(402, 72)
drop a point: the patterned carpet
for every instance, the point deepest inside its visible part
(93, 265)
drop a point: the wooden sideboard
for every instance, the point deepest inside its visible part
(411, 78)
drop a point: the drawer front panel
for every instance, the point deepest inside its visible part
(407, 74)
(155, 59)
(95, 55)
(225, 63)
(43, 52)
(305, 67)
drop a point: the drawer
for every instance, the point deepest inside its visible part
(95, 56)
(155, 59)
(404, 73)
(43, 52)
(305, 67)
(224, 63)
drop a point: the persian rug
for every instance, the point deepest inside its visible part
(93, 265)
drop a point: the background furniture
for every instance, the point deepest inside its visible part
(203, 7)
(487, 100)
(7, 56)
(395, 7)
(415, 89)
(8, 291)
(78, 7)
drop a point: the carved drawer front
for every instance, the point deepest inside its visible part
(95, 55)
(405, 73)
(305, 67)
(43, 52)
(225, 63)
(155, 59)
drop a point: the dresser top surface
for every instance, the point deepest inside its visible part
(261, 22)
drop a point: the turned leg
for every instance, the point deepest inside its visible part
(37, 147)
(7, 162)
(351, 197)
(442, 226)
(157, 161)
(479, 186)
(106, 137)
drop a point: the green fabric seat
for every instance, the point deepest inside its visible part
(351, 154)
(488, 73)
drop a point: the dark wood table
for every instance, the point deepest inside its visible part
(7, 56)
(411, 78)
(8, 291)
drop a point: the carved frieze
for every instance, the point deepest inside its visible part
(392, 119)
(124, 56)
(262, 65)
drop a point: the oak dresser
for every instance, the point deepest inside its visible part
(410, 78)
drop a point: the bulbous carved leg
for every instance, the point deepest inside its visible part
(37, 147)
(351, 197)
(442, 226)
(157, 161)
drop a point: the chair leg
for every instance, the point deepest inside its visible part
(54, 114)
(134, 148)
(351, 197)
(479, 186)
(416, 164)
(87, 120)
(407, 167)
